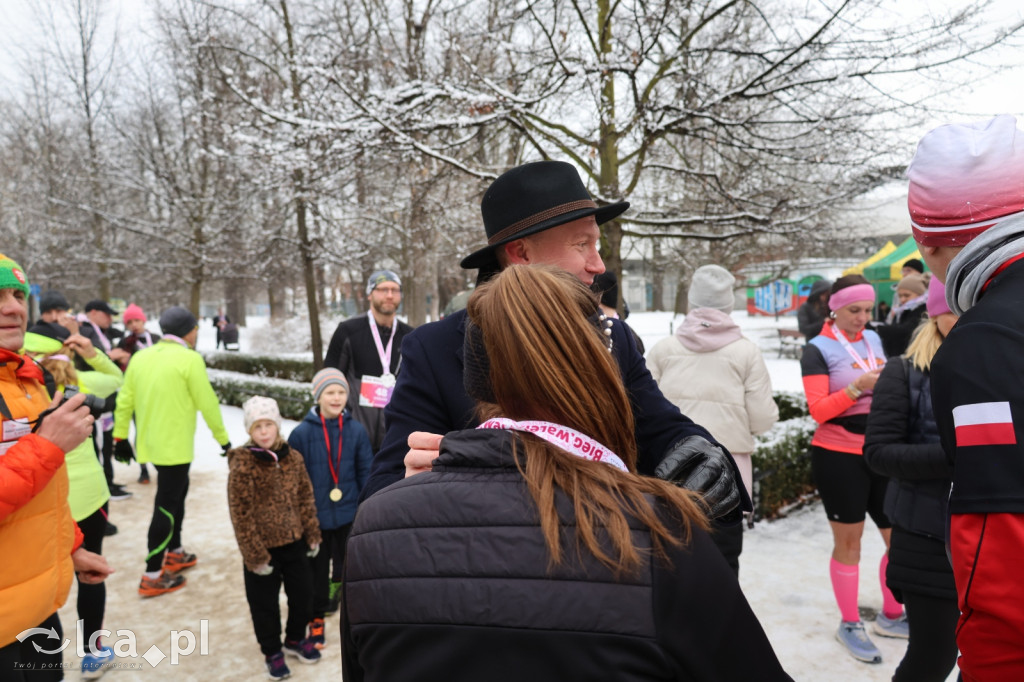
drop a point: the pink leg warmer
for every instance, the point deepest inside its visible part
(890, 607)
(844, 585)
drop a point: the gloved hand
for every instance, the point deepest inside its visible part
(265, 569)
(699, 465)
(314, 549)
(224, 449)
(123, 451)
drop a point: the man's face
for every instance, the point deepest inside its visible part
(13, 319)
(937, 258)
(135, 326)
(99, 318)
(54, 315)
(572, 246)
(385, 298)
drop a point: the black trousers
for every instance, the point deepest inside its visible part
(21, 662)
(168, 513)
(931, 649)
(292, 569)
(104, 454)
(92, 599)
(332, 551)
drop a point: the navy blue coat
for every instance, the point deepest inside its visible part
(356, 458)
(429, 396)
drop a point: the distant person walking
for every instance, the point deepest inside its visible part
(368, 351)
(840, 367)
(164, 388)
(220, 321)
(712, 373)
(902, 442)
(813, 312)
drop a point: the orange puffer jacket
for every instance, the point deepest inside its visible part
(37, 534)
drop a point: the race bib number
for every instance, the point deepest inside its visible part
(13, 430)
(376, 391)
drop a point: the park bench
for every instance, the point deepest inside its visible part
(791, 342)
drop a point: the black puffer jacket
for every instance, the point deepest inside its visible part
(902, 442)
(896, 336)
(447, 577)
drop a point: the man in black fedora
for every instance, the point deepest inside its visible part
(541, 214)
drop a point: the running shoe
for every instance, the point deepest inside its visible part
(179, 561)
(856, 641)
(892, 627)
(316, 632)
(110, 529)
(93, 666)
(277, 669)
(305, 650)
(118, 493)
(166, 582)
(144, 475)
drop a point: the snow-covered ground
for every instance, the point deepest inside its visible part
(783, 569)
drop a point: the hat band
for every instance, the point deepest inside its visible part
(530, 221)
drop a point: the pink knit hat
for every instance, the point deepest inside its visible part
(133, 312)
(964, 178)
(937, 298)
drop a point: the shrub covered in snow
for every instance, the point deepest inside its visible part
(232, 388)
(782, 465)
(258, 366)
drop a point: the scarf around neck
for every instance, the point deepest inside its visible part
(971, 269)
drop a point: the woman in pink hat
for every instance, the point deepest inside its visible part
(137, 338)
(840, 367)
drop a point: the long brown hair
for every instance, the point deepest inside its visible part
(549, 362)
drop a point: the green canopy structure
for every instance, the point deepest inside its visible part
(890, 267)
(859, 268)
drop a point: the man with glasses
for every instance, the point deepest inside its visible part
(367, 349)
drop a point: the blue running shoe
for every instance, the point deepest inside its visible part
(93, 666)
(892, 627)
(856, 641)
(305, 650)
(277, 669)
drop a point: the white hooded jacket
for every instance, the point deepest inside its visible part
(717, 378)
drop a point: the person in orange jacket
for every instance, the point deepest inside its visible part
(38, 538)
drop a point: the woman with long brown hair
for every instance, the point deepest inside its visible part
(532, 549)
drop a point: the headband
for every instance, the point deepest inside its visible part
(851, 294)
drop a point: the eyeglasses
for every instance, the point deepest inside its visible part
(394, 291)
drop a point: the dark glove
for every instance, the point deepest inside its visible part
(123, 451)
(224, 449)
(699, 465)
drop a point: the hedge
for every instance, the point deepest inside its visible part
(270, 366)
(293, 397)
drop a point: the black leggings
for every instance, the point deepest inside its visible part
(332, 551)
(92, 599)
(931, 649)
(263, 592)
(22, 662)
(168, 513)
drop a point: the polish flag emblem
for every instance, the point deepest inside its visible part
(984, 424)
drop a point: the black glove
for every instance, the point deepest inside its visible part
(224, 449)
(123, 451)
(699, 465)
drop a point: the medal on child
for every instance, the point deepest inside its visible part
(335, 494)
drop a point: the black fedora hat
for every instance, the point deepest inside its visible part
(532, 198)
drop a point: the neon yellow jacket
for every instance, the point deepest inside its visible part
(164, 387)
(88, 485)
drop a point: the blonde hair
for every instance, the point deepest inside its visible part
(548, 362)
(924, 344)
(63, 372)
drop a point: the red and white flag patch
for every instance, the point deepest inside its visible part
(984, 424)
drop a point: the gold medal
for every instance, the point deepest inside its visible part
(335, 495)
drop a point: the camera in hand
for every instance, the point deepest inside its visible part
(95, 403)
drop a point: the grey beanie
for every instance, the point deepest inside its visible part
(711, 287)
(177, 321)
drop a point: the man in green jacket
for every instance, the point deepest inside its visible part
(165, 385)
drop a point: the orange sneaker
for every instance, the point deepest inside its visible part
(316, 633)
(166, 582)
(178, 561)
